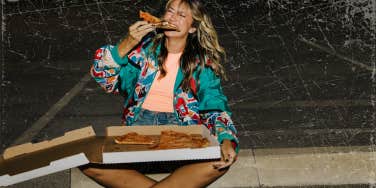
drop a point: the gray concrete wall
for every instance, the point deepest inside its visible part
(292, 65)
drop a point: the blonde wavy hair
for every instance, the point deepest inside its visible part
(202, 43)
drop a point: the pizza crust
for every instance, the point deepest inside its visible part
(158, 23)
(168, 139)
(134, 138)
(172, 140)
(149, 18)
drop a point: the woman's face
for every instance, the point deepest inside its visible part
(179, 14)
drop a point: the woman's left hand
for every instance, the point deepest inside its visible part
(228, 156)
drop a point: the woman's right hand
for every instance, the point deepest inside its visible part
(139, 29)
(135, 33)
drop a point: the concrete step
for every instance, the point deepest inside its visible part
(287, 167)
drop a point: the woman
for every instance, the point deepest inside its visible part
(169, 78)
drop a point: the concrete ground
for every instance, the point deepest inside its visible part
(287, 167)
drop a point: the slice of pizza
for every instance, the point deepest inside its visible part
(156, 21)
(173, 140)
(148, 17)
(134, 138)
(199, 142)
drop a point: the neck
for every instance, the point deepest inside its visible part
(175, 45)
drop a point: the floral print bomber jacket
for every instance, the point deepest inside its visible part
(132, 76)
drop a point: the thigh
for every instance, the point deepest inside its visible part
(117, 175)
(198, 174)
(200, 170)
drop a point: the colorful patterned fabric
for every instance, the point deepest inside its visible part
(133, 75)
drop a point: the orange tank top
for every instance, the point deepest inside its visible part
(161, 94)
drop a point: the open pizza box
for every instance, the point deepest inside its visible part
(115, 153)
(82, 146)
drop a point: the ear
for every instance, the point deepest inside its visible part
(192, 30)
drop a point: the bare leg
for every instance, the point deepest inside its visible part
(118, 178)
(192, 175)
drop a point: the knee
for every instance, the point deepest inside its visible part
(92, 172)
(215, 173)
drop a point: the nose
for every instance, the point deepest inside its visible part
(172, 17)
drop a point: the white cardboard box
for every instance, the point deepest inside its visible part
(112, 153)
(28, 161)
(82, 146)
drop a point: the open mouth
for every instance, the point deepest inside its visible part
(157, 22)
(165, 25)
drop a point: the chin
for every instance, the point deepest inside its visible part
(173, 34)
(170, 33)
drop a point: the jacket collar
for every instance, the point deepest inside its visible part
(145, 48)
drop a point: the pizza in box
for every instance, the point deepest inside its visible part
(168, 139)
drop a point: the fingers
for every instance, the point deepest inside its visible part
(222, 165)
(225, 162)
(139, 36)
(228, 157)
(140, 29)
(143, 27)
(137, 24)
(228, 151)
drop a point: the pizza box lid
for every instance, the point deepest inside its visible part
(31, 160)
(117, 153)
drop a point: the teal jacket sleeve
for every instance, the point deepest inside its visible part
(106, 68)
(112, 71)
(214, 109)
